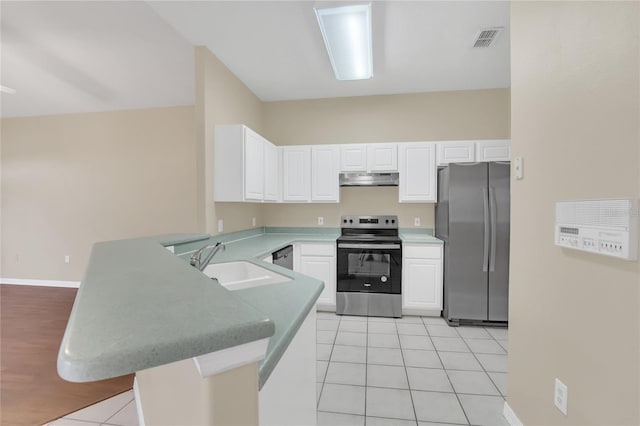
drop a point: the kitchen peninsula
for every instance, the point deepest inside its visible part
(141, 308)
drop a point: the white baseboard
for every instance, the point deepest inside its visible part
(41, 283)
(510, 415)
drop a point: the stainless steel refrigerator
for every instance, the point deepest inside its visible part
(472, 218)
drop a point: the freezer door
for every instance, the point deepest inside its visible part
(466, 274)
(499, 203)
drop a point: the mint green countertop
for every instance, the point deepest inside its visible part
(418, 236)
(140, 306)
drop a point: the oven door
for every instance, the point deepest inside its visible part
(369, 267)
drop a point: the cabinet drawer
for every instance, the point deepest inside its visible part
(317, 249)
(422, 252)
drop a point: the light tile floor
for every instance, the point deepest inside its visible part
(117, 411)
(409, 371)
(384, 372)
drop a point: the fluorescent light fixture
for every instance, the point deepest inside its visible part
(346, 31)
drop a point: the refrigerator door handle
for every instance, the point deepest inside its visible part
(494, 219)
(487, 230)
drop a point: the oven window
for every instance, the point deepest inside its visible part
(366, 264)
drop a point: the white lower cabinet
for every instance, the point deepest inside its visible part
(318, 260)
(422, 279)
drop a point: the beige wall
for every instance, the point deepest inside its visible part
(575, 111)
(480, 114)
(69, 181)
(221, 98)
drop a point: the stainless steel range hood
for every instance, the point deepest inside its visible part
(368, 179)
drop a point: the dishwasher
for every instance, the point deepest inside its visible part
(284, 257)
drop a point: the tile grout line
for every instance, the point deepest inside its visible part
(482, 366)
(406, 373)
(449, 379)
(366, 371)
(491, 378)
(114, 414)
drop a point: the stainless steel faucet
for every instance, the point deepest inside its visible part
(196, 258)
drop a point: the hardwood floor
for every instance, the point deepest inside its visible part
(32, 324)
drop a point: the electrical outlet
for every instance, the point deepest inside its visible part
(220, 225)
(320, 220)
(67, 259)
(416, 221)
(560, 396)
(253, 221)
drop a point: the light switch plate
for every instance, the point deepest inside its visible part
(560, 396)
(518, 168)
(320, 220)
(416, 221)
(220, 225)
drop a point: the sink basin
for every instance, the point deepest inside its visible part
(241, 274)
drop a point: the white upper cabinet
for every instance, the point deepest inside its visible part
(296, 173)
(473, 151)
(253, 166)
(382, 157)
(353, 158)
(456, 152)
(494, 150)
(369, 157)
(325, 161)
(311, 173)
(271, 173)
(418, 172)
(240, 165)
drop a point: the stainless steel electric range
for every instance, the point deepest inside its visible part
(369, 267)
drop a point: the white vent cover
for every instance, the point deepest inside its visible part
(487, 36)
(607, 227)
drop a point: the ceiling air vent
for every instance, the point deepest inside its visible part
(486, 36)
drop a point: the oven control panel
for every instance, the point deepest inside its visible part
(378, 222)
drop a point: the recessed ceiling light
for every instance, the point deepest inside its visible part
(346, 31)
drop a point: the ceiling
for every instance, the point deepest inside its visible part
(66, 57)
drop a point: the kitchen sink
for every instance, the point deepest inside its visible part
(240, 274)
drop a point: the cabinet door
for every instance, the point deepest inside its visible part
(321, 268)
(271, 172)
(422, 284)
(494, 150)
(353, 158)
(253, 166)
(417, 172)
(382, 157)
(324, 173)
(296, 163)
(455, 152)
